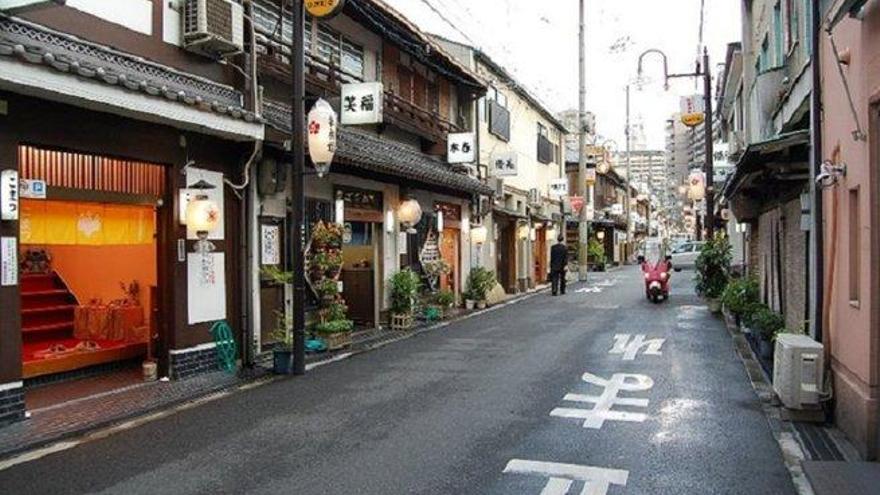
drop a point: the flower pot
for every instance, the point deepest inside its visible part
(401, 321)
(481, 304)
(150, 371)
(469, 304)
(282, 362)
(336, 341)
(765, 348)
(714, 305)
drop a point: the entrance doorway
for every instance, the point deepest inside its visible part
(540, 251)
(505, 253)
(450, 247)
(89, 266)
(360, 252)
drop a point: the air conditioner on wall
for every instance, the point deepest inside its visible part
(798, 367)
(534, 196)
(498, 185)
(213, 27)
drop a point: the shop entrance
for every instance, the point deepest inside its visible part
(505, 253)
(89, 270)
(360, 252)
(540, 250)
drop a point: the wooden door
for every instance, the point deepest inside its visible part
(449, 251)
(505, 254)
(540, 250)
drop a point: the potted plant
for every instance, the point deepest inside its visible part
(444, 300)
(480, 282)
(469, 300)
(738, 296)
(405, 286)
(596, 251)
(768, 323)
(713, 267)
(336, 334)
(282, 352)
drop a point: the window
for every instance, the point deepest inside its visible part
(339, 51)
(545, 147)
(777, 35)
(793, 24)
(855, 228)
(808, 26)
(434, 97)
(542, 131)
(764, 58)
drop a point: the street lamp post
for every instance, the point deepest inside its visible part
(704, 72)
(297, 148)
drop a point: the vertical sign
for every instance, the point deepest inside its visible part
(361, 103)
(8, 262)
(270, 245)
(692, 110)
(9, 194)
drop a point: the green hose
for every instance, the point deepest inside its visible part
(227, 350)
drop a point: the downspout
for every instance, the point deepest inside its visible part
(817, 260)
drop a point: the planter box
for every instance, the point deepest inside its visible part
(282, 362)
(714, 305)
(336, 341)
(730, 319)
(401, 322)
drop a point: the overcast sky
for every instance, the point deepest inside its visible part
(537, 42)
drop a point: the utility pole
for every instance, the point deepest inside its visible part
(709, 162)
(629, 234)
(583, 226)
(297, 149)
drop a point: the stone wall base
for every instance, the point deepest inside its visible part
(856, 413)
(11, 403)
(186, 363)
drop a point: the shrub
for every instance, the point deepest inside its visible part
(445, 298)
(404, 289)
(335, 326)
(480, 282)
(713, 267)
(739, 294)
(767, 322)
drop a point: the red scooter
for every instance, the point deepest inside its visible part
(657, 278)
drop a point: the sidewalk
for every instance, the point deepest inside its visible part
(77, 417)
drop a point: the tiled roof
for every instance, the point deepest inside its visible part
(65, 53)
(365, 151)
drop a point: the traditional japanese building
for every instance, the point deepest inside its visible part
(117, 124)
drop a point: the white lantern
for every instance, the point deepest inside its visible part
(696, 186)
(725, 214)
(202, 215)
(409, 213)
(600, 235)
(603, 167)
(322, 136)
(523, 232)
(479, 234)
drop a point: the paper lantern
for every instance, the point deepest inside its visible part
(523, 232)
(322, 136)
(202, 215)
(409, 213)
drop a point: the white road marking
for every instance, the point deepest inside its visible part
(560, 476)
(586, 290)
(629, 347)
(595, 418)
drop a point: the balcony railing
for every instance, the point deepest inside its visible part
(413, 118)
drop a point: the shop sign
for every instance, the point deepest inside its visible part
(8, 262)
(9, 195)
(504, 164)
(361, 199)
(591, 213)
(32, 189)
(692, 110)
(322, 9)
(577, 202)
(361, 103)
(617, 209)
(270, 245)
(558, 188)
(461, 147)
(590, 176)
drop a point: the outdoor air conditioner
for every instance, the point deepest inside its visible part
(534, 196)
(798, 367)
(213, 27)
(498, 185)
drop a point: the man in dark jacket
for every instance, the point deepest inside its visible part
(558, 261)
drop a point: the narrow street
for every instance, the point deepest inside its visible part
(451, 410)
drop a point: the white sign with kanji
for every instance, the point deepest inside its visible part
(361, 103)
(461, 147)
(504, 164)
(558, 188)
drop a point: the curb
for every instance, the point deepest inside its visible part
(783, 431)
(104, 429)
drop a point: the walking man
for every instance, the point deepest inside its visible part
(558, 261)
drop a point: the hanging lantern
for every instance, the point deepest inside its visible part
(603, 167)
(479, 234)
(523, 232)
(725, 214)
(696, 186)
(202, 215)
(409, 213)
(322, 136)
(600, 235)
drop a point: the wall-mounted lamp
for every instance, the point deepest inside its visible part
(600, 235)
(523, 232)
(339, 206)
(479, 234)
(389, 222)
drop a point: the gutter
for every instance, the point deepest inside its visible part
(816, 265)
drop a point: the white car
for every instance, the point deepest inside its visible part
(685, 255)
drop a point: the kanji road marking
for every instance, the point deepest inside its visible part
(630, 346)
(595, 418)
(560, 477)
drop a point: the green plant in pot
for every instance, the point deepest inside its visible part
(768, 323)
(480, 283)
(405, 286)
(713, 270)
(282, 351)
(739, 295)
(596, 251)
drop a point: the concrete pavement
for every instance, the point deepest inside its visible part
(512, 401)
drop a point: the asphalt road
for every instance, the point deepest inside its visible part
(449, 411)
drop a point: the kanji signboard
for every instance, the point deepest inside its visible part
(361, 103)
(504, 164)
(558, 188)
(692, 110)
(324, 8)
(461, 147)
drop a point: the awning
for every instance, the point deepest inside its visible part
(781, 150)
(365, 151)
(847, 8)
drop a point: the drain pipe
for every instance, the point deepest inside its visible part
(817, 259)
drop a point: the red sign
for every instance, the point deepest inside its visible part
(577, 202)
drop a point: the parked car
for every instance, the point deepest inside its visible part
(685, 255)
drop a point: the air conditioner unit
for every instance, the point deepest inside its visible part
(534, 196)
(798, 368)
(213, 27)
(498, 185)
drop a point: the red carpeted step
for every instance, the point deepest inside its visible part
(49, 327)
(47, 307)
